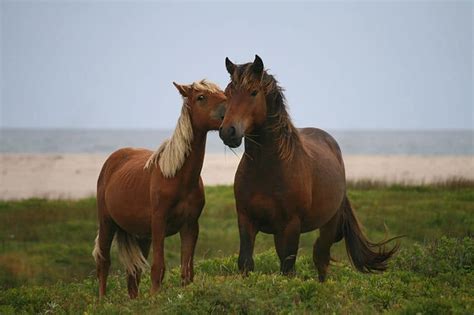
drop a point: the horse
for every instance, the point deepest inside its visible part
(289, 181)
(145, 196)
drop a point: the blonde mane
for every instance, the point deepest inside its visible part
(172, 153)
(206, 86)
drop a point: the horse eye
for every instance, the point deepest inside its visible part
(254, 93)
(200, 97)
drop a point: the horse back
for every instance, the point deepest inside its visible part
(126, 160)
(320, 142)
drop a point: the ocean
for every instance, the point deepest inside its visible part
(375, 142)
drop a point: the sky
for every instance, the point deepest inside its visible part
(344, 65)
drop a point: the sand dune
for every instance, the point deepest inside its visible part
(75, 175)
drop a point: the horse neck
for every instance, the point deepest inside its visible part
(191, 169)
(263, 147)
(265, 144)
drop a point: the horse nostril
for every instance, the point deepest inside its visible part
(227, 132)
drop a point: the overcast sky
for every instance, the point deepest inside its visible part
(344, 65)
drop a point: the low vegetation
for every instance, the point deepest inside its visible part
(46, 266)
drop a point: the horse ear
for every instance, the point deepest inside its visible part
(182, 89)
(257, 66)
(229, 66)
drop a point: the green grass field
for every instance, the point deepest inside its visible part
(46, 265)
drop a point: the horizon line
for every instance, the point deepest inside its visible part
(2, 128)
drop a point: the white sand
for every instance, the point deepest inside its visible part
(75, 175)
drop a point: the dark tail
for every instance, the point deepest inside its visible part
(364, 255)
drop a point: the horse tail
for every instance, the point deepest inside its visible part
(129, 253)
(365, 255)
(96, 252)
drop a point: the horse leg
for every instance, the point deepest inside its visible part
(158, 243)
(189, 235)
(328, 235)
(107, 229)
(133, 281)
(286, 244)
(247, 232)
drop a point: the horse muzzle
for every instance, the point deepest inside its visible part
(231, 136)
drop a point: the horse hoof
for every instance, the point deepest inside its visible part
(185, 282)
(322, 278)
(155, 290)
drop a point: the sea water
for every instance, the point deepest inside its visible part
(374, 142)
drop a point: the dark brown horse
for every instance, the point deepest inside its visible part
(142, 196)
(289, 181)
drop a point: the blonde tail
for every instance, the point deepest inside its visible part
(130, 254)
(96, 252)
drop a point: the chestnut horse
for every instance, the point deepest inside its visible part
(142, 196)
(289, 181)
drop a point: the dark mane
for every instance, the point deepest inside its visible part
(278, 119)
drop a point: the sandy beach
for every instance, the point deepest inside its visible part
(75, 175)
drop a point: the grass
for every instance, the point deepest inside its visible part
(46, 266)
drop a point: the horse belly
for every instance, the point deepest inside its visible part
(132, 220)
(325, 203)
(129, 208)
(313, 220)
